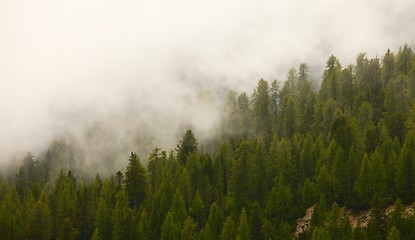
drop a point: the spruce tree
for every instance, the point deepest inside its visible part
(135, 181)
(170, 229)
(188, 144)
(189, 230)
(243, 231)
(40, 222)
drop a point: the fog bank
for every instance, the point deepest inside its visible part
(141, 72)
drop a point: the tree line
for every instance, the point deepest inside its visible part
(286, 147)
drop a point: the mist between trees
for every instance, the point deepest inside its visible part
(272, 154)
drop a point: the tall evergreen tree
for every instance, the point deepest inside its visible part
(388, 67)
(178, 208)
(261, 112)
(188, 144)
(404, 59)
(11, 222)
(40, 221)
(406, 171)
(122, 217)
(170, 230)
(242, 180)
(228, 231)
(189, 230)
(331, 80)
(135, 181)
(243, 231)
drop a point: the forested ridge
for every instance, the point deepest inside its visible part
(349, 144)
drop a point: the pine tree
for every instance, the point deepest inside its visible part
(85, 211)
(242, 180)
(122, 218)
(170, 230)
(404, 59)
(11, 222)
(268, 231)
(347, 88)
(135, 181)
(144, 226)
(243, 231)
(327, 183)
(228, 231)
(306, 99)
(187, 145)
(261, 111)
(40, 222)
(67, 231)
(103, 223)
(198, 209)
(406, 171)
(388, 67)
(279, 203)
(397, 95)
(222, 174)
(275, 106)
(245, 116)
(331, 80)
(309, 194)
(178, 208)
(362, 188)
(214, 219)
(189, 230)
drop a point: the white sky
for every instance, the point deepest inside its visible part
(64, 64)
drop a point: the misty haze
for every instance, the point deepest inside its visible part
(207, 120)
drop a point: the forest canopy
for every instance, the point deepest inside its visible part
(345, 147)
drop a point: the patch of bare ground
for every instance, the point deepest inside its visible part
(357, 219)
(303, 224)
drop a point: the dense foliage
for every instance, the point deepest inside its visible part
(349, 145)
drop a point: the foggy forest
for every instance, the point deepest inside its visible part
(158, 120)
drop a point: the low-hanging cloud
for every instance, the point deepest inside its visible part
(161, 66)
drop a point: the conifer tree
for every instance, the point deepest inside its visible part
(144, 226)
(11, 222)
(404, 59)
(197, 209)
(178, 208)
(388, 67)
(214, 219)
(242, 182)
(40, 222)
(206, 233)
(279, 203)
(67, 231)
(243, 231)
(187, 145)
(331, 80)
(170, 230)
(135, 181)
(189, 230)
(228, 230)
(261, 112)
(103, 223)
(122, 218)
(268, 230)
(406, 171)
